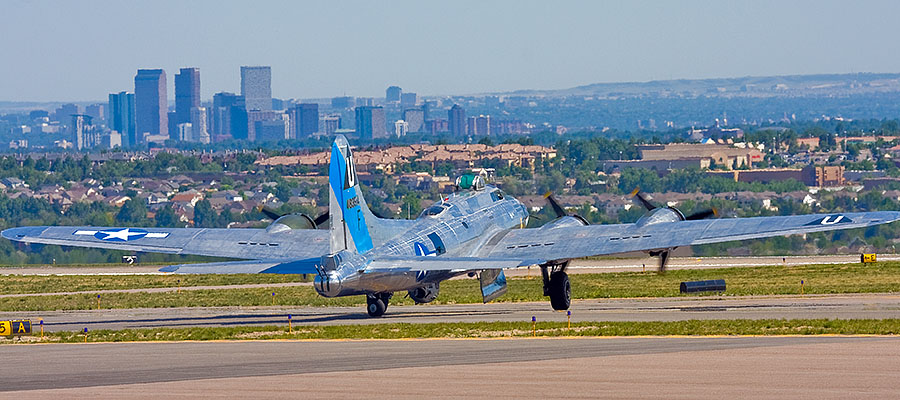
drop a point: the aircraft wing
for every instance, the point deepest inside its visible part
(250, 244)
(563, 243)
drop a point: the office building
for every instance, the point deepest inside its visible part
(480, 125)
(370, 122)
(400, 128)
(187, 93)
(274, 129)
(65, 112)
(305, 120)
(111, 140)
(329, 124)
(199, 132)
(81, 129)
(97, 112)
(344, 102)
(415, 117)
(121, 118)
(254, 116)
(184, 132)
(256, 87)
(456, 120)
(392, 94)
(151, 117)
(220, 121)
(173, 123)
(408, 99)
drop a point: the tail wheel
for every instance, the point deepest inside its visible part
(560, 291)
(375, 306)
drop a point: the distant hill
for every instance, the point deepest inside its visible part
(751, 86)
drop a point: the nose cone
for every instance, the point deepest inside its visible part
(20, 234)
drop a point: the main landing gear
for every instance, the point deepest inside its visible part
(556, 285)
(377, 304)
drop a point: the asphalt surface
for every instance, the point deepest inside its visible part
(578, 266)
(876, 306)
(678, 367)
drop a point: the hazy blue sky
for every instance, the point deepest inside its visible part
(82, 50)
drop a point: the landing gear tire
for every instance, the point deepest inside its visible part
(560, 291)
(386, 299)
(375, 307)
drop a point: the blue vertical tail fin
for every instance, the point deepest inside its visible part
(348, 209)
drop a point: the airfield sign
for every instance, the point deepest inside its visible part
(12, 328)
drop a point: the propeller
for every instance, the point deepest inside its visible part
(269, 213)
(712, 212)
(321, 219)
(703, 214)
(642, 198)
(663, 259)
(555, 206)
(664, 254)
(559, 211)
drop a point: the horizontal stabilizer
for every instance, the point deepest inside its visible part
(301, 266)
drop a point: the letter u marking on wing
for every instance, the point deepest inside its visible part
(827, 220)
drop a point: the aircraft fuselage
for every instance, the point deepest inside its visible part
(456, 227)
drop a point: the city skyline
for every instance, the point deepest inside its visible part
(505, 46)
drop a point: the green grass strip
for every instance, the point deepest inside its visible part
(768, 280)
(769, 327)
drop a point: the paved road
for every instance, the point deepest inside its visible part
(723, 367)
(164, 289)
(650, 309)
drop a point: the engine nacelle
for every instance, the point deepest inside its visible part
(425, 294)
(568, 220)
(291, 222)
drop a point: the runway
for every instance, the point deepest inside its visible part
(577, 266)
(675, 368)
(845, 306)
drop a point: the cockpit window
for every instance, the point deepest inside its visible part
(433, 210)
(497, 195)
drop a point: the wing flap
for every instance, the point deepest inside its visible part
(425, 263)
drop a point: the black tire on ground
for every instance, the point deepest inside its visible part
(560, 291)
(375, 306)
(386, 299)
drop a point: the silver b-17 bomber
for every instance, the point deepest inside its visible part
(478, 230)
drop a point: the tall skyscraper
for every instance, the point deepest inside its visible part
(256, 87)
(456, 118)
(370, 122)
(305, 119)
(187, 93)
(415, 117)
(220, 123)
(150, 103)
(392, 94)
(121, 116)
